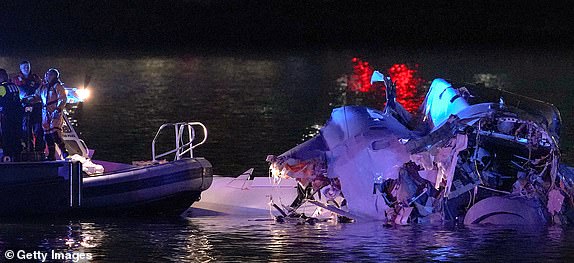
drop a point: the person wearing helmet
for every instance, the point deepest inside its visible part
(11, 118)
(28, 84)
(53, 97)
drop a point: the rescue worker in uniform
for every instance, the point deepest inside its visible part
(28, 84)
(53, 97)
(11, 118)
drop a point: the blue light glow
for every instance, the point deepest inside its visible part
(442, 101)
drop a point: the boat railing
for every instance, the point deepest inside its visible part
(183, 147)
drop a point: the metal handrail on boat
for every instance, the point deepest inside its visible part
(181, 147)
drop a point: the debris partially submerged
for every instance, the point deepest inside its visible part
(472, 155)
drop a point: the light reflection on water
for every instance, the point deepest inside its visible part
(226, 239)
(266, 104)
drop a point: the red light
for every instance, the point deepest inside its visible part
(361, 78)
(406, 80)
(407, 85)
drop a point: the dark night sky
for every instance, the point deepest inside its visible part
(238, 24)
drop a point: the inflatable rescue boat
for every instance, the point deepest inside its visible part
(80, 186)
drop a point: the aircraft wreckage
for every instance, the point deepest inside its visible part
(472, 155)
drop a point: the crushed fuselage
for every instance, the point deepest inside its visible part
(473, 155)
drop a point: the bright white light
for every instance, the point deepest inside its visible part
(83, 94)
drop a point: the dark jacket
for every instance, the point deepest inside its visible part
(10, 104)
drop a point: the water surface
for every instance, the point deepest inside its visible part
(225, 239)
(260, 104)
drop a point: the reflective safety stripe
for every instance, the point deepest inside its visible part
(4, 89)
(13, 88)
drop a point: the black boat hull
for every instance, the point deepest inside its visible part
(31, 189)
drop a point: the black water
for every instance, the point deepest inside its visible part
(244, 240)
(266, 103)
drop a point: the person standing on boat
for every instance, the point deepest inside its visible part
(28, 84)
(53, 97)
(10, 118)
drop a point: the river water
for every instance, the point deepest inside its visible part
(227, 239)
(266, 103)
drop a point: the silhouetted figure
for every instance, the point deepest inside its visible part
(28, 84)
(11, 118)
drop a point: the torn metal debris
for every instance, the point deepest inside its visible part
(471, 155)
